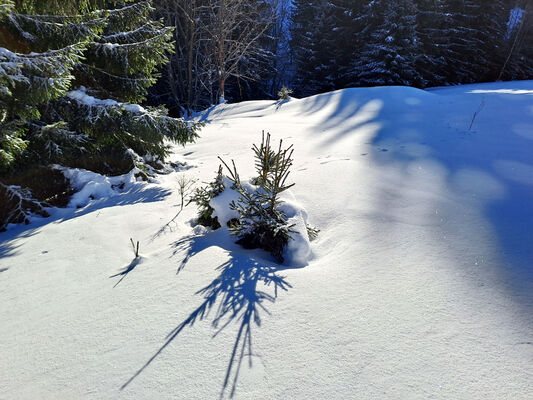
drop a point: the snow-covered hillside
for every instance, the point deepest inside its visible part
(420, 284)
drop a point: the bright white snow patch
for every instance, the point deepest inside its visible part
(81, 96)
(93, 186)
(420, 285)
(298, 252)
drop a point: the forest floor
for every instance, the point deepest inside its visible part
(419, 286)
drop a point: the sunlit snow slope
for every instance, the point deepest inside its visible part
(420, 285)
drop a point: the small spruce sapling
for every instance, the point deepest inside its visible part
(284, 93)
(262, 224)
(202, 197)
(184, 186)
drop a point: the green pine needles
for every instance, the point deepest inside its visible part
(202, 197)
(284, 93)
(69, 70)
(261, 223)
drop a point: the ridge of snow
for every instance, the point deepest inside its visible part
(81, 96)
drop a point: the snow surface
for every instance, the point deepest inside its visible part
(90, 186)
(421, 284)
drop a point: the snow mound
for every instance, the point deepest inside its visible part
(420, 286)
(298, 252)
(92, 186)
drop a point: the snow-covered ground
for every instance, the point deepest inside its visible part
(420, 284)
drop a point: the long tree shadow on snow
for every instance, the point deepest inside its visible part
(455, 146)
(240, 292)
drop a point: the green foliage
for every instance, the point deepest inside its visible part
(48, 48)
(112, 126)
(50, 32)
(262, 224)
(6, 7)
(123, 62)
(17, 205)
(53, 143)
(27, 81)
(202, 197)
(284, 93)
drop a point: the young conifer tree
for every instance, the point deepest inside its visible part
(262, 223)
(70, 71)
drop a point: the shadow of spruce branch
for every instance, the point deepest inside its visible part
(241, 291)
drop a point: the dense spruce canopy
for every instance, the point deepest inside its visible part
(420, 43)
(69, 71)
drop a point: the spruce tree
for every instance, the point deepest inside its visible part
(388, 45)
(71, 69)
(463, 40)
(472, 40)
(349, 32)
(313, 41)
(433, 31)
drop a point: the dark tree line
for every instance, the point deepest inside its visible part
(422, 43)
(237, 50)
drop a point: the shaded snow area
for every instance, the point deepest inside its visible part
(419, 285)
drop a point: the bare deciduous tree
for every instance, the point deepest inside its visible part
(235, 30)
(215, 40)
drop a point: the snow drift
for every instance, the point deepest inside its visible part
(420, 285)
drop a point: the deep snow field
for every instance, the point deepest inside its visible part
(419, 286)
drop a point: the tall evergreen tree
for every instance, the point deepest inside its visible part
(350, 32)
(71, 69)
(462, 40)
(388, 45)
(314, 34)
(433, 27)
